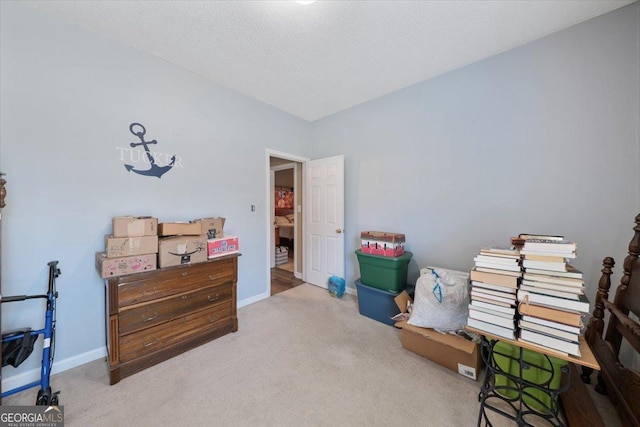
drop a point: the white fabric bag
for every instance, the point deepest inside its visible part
(441, 299)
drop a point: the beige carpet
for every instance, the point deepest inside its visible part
(300, 358)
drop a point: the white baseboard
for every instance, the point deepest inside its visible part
(253, 299)
(9, 383)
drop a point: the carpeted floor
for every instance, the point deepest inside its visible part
(300, 358)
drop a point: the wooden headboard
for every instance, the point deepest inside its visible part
(283, 211)
(621, 383)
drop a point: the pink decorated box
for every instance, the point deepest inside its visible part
(112, 267)
(222, 246)
(382, 243)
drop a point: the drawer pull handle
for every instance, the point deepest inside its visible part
(214, 319)
(184, 274)
(148, 319)
(149, 344)
(212, 277)
(149, 291)
(184, 296)
(214, 298)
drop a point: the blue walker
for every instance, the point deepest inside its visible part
(17, 344)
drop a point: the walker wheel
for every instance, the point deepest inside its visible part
(44, 397)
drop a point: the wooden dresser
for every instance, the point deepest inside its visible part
(155, 315)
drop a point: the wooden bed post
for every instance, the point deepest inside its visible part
(613, 336)
(621, 383)
(596, 324)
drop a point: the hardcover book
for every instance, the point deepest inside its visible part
(501, 251)
(492, 312)
(547, 258)
(581, 304)
(509, 299)
(491, 328)
(497, 277)
(527, 253)
(551, 292)
(506, 289)
(493, 319)
(550, 245)
(535, 327)
(527, 236)
(552, 286)
(567, 317)
(498, 266)
(571, 272)
(544, 265)
(567, 347)
(497, 259)
(492, 301)
(564, 281)
(552, 324)
(506, 310)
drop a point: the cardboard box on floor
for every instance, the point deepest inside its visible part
(451, 351)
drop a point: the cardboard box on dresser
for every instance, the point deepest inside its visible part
(141, 243)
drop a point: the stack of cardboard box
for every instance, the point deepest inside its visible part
(217, 243)
(132, 247)
(140, 243)
(181, 243)
(194, 241)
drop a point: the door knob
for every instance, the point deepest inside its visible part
(338, 230)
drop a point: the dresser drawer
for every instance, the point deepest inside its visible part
(158, 337)
(143, 287)
(166, 309)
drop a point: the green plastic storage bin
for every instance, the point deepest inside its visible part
(537, 370)
(381, 272)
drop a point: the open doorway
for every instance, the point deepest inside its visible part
(286, 219)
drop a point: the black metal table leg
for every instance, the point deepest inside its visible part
(517, 399)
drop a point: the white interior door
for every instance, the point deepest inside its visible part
(324, 214)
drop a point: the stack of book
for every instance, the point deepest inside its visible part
(494, 285)
(551, 296)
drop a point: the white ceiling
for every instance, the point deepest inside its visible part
(315, 60)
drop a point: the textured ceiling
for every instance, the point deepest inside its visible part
(318, 59)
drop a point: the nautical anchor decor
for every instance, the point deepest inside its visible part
(150, 157)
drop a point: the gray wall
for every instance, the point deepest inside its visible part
(68, 97)
(540, 139)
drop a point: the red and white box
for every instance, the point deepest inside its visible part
(222, 246)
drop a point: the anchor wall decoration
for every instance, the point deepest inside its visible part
(154, 170)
